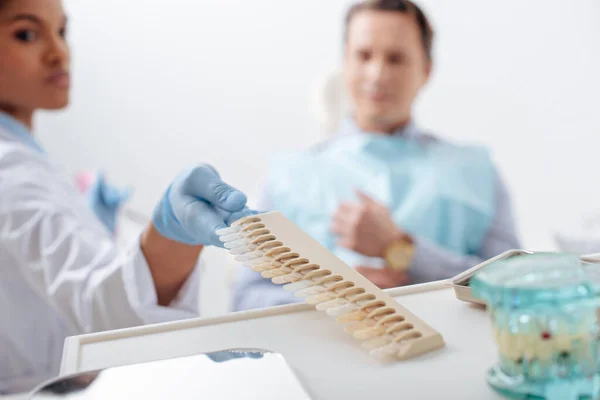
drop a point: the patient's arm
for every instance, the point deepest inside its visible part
(366, 227)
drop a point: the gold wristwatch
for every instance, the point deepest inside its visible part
(399, 253)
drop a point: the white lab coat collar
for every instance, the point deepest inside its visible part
(19, 130)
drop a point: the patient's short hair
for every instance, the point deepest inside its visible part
(401, 6)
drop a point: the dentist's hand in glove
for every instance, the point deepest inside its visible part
(106, 201)
(197, 203)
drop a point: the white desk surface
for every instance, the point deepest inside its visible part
(328, 361)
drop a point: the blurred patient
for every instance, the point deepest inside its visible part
(398, 204)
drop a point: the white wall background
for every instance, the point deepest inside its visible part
(162, 84)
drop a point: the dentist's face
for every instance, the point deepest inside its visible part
(385, 67)
(34, 56)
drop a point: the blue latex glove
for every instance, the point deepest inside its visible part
(106, 200)
(196, 204)
(222, 356)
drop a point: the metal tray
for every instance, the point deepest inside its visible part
(460, 283)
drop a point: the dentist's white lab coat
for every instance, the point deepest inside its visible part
(61, 274)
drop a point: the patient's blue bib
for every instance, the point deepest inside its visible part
(438, 191)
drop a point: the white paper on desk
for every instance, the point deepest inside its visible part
(195, 377)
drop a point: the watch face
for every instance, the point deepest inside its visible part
(398, 257)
